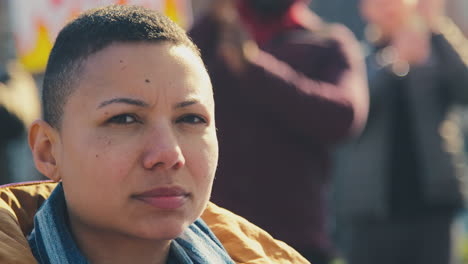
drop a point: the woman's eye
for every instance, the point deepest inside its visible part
(191, 119)
(122, 119)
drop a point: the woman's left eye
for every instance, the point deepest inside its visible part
(192, 119)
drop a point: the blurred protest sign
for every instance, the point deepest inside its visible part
(35, 24)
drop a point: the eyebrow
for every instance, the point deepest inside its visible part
(123, 100)
(186, 103)
(137, 102)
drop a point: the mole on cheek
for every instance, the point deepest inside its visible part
(147, 81)
(97, 156)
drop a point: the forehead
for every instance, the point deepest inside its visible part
(144, 69)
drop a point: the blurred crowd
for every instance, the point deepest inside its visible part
(341, 123)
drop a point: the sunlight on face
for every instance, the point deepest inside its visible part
(138, 148)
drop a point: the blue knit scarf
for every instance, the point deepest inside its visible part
(52, 243)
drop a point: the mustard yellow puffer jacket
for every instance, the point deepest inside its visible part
(245, 242)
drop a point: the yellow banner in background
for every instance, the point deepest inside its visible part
(36, 23)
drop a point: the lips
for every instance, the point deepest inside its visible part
(165, 198)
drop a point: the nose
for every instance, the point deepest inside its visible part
(162, 150)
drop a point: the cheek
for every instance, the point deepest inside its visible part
(201, 159)
(115, 162)
(202, 171)
(96, 175)
(100, 159)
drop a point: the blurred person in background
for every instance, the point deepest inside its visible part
(19, 105)
(397, 187)
(345, 12)
(287, 88)
(199, 7)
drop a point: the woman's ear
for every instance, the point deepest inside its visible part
(42, 141)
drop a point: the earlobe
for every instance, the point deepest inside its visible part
(42, 139)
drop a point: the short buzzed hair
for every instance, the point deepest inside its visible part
(91, 32)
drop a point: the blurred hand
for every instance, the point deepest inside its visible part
(431, 11)
(412, 42)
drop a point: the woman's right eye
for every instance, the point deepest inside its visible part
(123, 119)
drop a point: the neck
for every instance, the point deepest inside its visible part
(100, 246)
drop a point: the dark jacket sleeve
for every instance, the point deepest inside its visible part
(452, 72)
(453, 69)
(314, 89)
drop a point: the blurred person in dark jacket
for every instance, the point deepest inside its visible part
(397, 187)
(19, 106)
(287, 88)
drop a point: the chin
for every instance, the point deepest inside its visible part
(164, 230)
(171, 232)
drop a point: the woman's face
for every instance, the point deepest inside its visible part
(138, 151)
